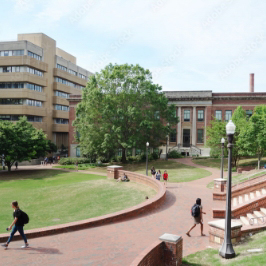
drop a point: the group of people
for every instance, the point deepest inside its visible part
(157, 175)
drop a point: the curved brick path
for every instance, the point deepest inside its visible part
(120, 243)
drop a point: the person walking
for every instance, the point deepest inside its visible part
(153, 172)
(18, 224)
(196, 212)
(165, 177)
(158, 175)
(16, 164)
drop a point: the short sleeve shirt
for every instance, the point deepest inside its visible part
(17, 214)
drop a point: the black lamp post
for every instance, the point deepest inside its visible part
(167, 137)
(147, 146)
(222, 159)
(227, 250)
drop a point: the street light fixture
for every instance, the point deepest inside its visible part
(147, 146)
(222, 158)
(227, 250)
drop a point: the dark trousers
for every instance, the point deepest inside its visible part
(14, 230)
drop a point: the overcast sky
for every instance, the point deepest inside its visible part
(188, 45)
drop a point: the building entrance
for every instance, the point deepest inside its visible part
(186, 137)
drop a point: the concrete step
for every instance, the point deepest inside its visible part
(258, 193)
(259, 214)
(255, 221)
(234, 202)
(251, 195)
(263, 191)
(246, 197)
(244, 220)
(240, 200)
(263, 210)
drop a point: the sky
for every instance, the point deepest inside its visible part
(187, 45)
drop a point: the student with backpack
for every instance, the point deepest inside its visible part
(20, 219)
(196, 212)
(153, 172)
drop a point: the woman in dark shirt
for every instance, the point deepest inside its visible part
(18, 224)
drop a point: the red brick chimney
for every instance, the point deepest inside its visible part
(251, 83)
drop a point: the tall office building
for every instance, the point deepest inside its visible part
(36, 79)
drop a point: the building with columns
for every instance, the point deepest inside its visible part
(195, 110)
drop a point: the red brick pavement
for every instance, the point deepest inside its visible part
(120, 243)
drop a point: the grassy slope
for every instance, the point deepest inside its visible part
(177, 172)
(243, 258)
(53, 197)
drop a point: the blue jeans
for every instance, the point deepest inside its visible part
(14, 230)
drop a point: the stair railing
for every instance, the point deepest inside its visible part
(261, 220)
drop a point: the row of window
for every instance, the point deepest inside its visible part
(61, 94)
(6, 69)
(20, 85)
(14, 101)
(12, 53)
(33, 55)
(71, 71)
(60, 121)
(68, 83)
(30, 118)
(61, 107)
(200, 136)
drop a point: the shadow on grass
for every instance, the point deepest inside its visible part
(185, 262)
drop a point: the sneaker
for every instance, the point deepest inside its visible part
(4, 245)
(25, 246)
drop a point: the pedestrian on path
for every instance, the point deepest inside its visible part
(196, 212)
(16, 164)
(165, 177)
(158, 175)
(153, 172)
(18, 223)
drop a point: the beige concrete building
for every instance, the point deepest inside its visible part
(36, 79)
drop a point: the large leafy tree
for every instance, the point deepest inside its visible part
(20, 141)
(122, 108)
(253, 137)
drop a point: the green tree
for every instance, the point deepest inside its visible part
(253, 137)
(122, 108)
(20, 141)
(51, 147)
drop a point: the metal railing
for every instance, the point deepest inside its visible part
(246, 178)
(260, 220)
(195, 148)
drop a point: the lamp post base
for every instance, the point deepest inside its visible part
(227, 251)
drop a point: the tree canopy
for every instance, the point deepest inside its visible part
(20, 141)
(122, 108)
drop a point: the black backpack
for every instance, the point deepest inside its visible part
(195, 210)
(25, 217)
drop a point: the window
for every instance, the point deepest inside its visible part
(13, 85)
(68, 83)
(186, 115)
(82, 76)
(200, 136)
(218, 115)
(72, 72)
(157, 115)
(61, 107)
(21, 69)
(200, 115)
(228, 115)
(33, 103)
(11, 101)
(173, 136)
(78, 152)
(12, 53)
(61, 94)
(248, 113)
(61, 121)
(61, 67)
(34, 87)
(33, 55)
(32, 118)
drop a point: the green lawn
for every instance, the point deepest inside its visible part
(216, 163)
(243, 257)
(177, 172)
(53, 197)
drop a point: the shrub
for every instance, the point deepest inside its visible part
(155, 156)
(215, 153)
(116, 159)
(174, 154)
(73, 160)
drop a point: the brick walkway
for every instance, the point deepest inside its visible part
(120, 243)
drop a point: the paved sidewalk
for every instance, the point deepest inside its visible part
(120, 243)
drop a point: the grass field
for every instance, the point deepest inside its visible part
(177, 172)
(53, 197)
(243, 257)
(216, 163)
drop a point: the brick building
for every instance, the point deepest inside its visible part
(195, 110)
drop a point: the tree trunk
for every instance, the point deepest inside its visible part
(9, 166)
(124, 159)
(258, 162)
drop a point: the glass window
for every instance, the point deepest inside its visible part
(78, 152)
(200, 115)
(200, 136)
(186, 115)
(228, 115)
(248, 113)
(218, 115)
(173, 136)
(33, 55)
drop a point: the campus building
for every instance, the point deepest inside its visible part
(36, 79)
(195, 110)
